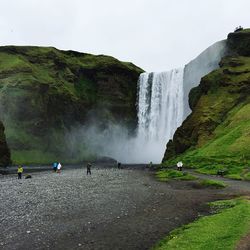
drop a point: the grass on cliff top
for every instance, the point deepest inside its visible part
(57, 68)
(244, 31)
(222, 230)
(170, 174)
(46, 56)
(8, 61)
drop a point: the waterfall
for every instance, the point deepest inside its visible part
(160, 110)
(163, 102)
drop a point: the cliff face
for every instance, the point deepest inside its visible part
(4, 150)
(216, 133)
(44, 92)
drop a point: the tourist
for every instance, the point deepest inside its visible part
(179, 166)
(119, 165)
(19, 172)
(240, 28)
(59, 167)
(88, 168)
(55, 166)
(150, 165)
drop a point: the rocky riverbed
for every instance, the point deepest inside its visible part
(111, 209)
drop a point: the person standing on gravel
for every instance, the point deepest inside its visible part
(55, 166)
(59, 167)
(119, 165)
(19, 172)
(89, 168)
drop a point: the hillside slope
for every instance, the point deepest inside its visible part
(45, 92)
(216, 135)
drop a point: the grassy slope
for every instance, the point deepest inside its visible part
(220, 231)
(226, 106)
(44, 91)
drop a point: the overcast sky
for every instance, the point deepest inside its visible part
(156, 35)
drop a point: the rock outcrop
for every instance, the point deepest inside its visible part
(4, 150)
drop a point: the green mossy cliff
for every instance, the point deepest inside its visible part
(216, 135)
(45, 92)
(4, 150)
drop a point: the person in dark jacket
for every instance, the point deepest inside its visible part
(89, 168)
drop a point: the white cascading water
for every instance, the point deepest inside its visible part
(160, 110)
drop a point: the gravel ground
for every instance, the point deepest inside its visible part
(111, 209)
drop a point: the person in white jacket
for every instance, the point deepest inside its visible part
(179, 165)
(59, 167)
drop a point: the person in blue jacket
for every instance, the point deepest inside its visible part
(55, 166)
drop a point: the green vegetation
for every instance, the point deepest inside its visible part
(212, 183)
(216, 135)
(32, 157)
(46, 93)
(219, 231)
(247, 176)
(29, 157)
(236, 177)
(166, 175)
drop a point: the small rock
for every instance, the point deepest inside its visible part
(28, 232)
(79, 244)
